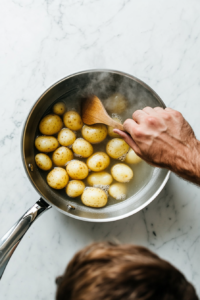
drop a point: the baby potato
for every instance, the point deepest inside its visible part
(61, 156)
(94, 197)
(98, 161)
(117, 148)
(50, 124)
(99, 178)
(132, 158)
(66, 137)
(57, 178)
(59, 108)
(82, 148)
(110, 129)
(94, 133)
(72, 120)
(122, 173)
(46, 143)
(75, 188)
(116, 103)
(77, 169)
(118, 191)
(43, 161)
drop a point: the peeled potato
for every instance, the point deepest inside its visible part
(66, 137)
(99, 178)
(61, 156)
(46, 143)
(59, 108)
(118, 191)
(117, 148)
(132, 158)
(57, 178)
(110, 129)
(43, 161)
(116, 103)
(122, 173)
(72, 120)
(82, 148)
(75, 188)
(50, 124)
(77, 169)
(94, 197)
(98, 161)
(94, 133)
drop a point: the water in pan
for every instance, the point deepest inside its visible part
(138, 97)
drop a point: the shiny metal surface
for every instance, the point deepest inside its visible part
(10, 241)
(72, 87)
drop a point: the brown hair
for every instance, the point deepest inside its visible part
(106, 271)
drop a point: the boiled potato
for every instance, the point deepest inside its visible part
(75, 188)
(43, 161)
(132, 158)
(116, 103)
(72, 120)
(46, 143)
(66, 137)
(57, 178)
(94, 197)
(110, 129)
(99, 178)
(59, 108)
(77, 169)
(50, 124)
(117, 148)
(82, 148)
(118, 191)
(61, 156)
(94, 133)
(98, 161)
(122, 173)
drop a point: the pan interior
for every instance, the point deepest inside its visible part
(148, 181)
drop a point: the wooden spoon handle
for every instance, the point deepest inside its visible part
(116, 125)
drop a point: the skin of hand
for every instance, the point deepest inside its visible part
(163, 138)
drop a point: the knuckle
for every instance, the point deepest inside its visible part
(136, 113)
(151, 121)
(177, 114)
(166, 116)
(138, 133)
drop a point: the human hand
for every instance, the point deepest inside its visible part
(162, 137)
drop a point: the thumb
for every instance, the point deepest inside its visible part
(128, 139)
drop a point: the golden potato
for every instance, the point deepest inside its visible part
(132, 158)
(43, 161)
(94, 133)
(77, 169)
(61, 156)
(99, 178)
(82, 148)
(118, 191)
(110, 129)
(66, 137)
(59, 108)
(57, 178)
(46, 143)
(75, 188)
(117, 148)
(72, 120)
(50, 124)
(98, 161)
(116, 103)
(122, 173)
(94, 197)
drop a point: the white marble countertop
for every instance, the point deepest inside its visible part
(43, 41)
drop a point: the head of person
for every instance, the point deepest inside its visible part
(106, 271)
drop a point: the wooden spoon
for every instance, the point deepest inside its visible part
(93, 112)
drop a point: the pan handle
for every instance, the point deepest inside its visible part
(10, 241)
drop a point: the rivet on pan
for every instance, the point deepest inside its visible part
(30, 166)
(70, 207)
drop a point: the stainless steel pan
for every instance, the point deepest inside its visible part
(98, 82)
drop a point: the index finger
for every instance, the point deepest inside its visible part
(129, 126)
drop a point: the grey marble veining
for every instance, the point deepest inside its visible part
(43, 41)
